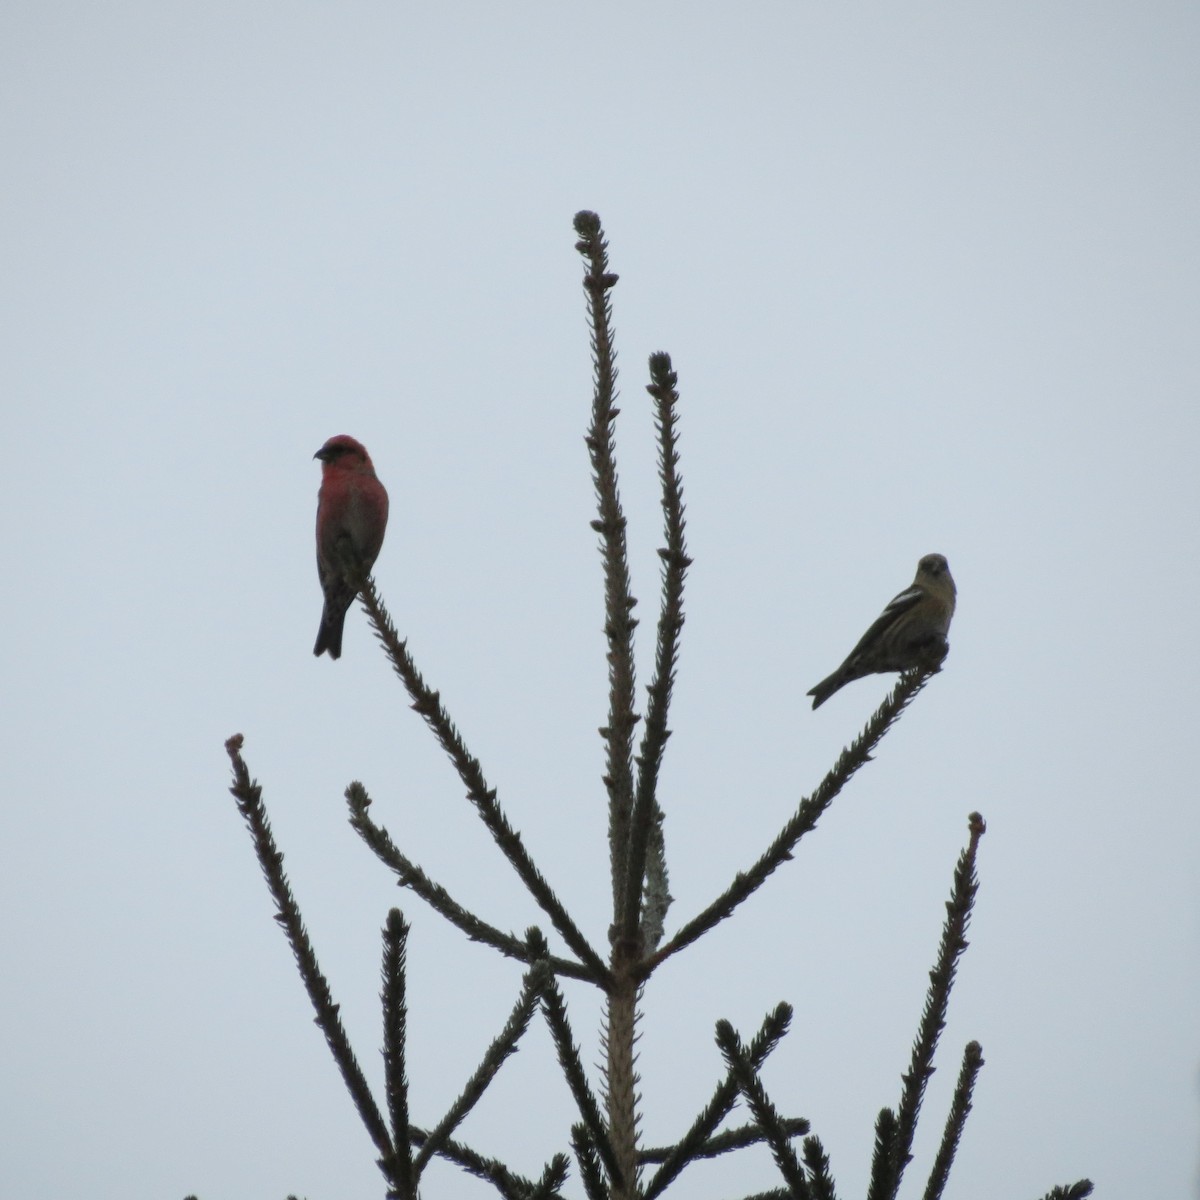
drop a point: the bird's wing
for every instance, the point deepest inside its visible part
(897, 607)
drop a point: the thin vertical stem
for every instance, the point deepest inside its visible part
(647, 813)
(619, 1039)
(395, 1035)
(619, 622)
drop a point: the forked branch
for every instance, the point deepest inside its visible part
(411, 876)
(248, 795)
(805, 819)
(428, 704)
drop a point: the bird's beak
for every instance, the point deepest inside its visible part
(320, 454)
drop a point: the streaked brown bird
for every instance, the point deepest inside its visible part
(910, 632)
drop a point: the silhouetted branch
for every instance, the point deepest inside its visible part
(933, 1017)
(960, 1108)
(761, 1108)
(691, 1145)
(723, 1143)
(553, 1177)
(805, 819)
(619, 621)
(589, 1163)
(657, 896)
(605, 1139)
(820, 1181)
(882, 1158)
(505, 1044)
(395, 1025)
(555, 1011)
(428, 704)
(508, 1183)
(411, 876)
(1073, 1191)
(647, 815)
(248, 795)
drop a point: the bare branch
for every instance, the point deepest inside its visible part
(619, 621)
(881, 1159)
(1073, 1191)
(504, 1046)
(724, 1143)
(554, 1009)
(395, 1032)
(509, 1184)
(764, 1112)
(820, 1181)
(805, 819)
(691, 1145)
(248, 795)
(647, 814)
(589, 1163)
(960, 1108)
(933, 1017)
(412, 876)
(428, 704)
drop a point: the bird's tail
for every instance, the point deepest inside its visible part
(827, 687)
(329, 635)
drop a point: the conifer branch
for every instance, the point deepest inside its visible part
(881, 1159)
(803, 821)
(395, 1032)
(933, 1017)
(619, 621)
(508, 1183)
(1073, 1191)
(554, 1009)
(248, 795)
(606, 1143)
(657, 896)
(554, 1175)
(411, 876)
(647, 814)
(724, 1143)
(589, 1163)
(620, 1072)
(820, 1182)
(764, 1112)
(772, 1031)
(960, 1108)
(427, 703)
(504, 1045)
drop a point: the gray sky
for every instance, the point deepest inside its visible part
(930, 280)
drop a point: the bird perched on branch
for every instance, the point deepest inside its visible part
(910, 632)
(352, 512)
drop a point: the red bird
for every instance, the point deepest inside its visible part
(352, 512)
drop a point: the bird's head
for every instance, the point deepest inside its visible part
(345, 452)
(933, 572)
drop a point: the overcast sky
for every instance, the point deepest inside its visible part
(930, 276)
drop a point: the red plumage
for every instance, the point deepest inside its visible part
(352, 513)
